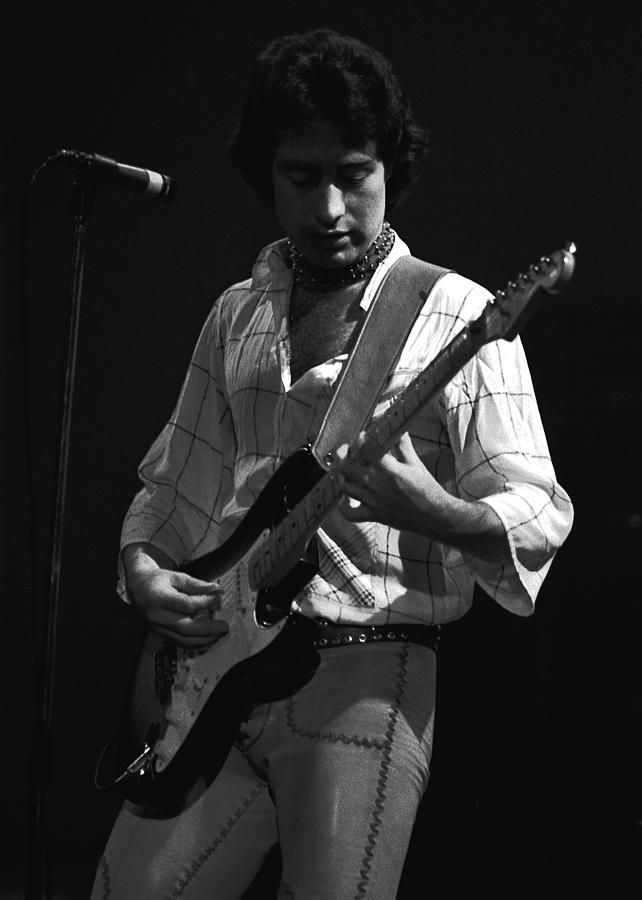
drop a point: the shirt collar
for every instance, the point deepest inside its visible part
(271, 267)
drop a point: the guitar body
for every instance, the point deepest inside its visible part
(184, 706)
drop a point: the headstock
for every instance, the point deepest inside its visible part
(505, 316)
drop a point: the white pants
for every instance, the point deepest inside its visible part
(334, 773)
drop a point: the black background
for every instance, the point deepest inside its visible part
(534, 115)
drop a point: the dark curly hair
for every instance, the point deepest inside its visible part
(325, 74)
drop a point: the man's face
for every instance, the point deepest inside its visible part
(329, 199)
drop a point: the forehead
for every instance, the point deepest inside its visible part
(321, 143)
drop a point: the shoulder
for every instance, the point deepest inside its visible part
(270, 272)
(236, 300)
(462, 292)
(235, 294)
(236, 305)
(451, 293)
(455, 298)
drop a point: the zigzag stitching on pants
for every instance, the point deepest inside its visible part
(328, 736)
(260, 773)
(375, 824)
(205, 855)
(243, 741)
(104, 871)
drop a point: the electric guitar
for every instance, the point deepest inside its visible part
(184, 706)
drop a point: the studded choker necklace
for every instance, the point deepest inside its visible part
(317, 278)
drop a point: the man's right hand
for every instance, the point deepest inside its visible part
(175, 605)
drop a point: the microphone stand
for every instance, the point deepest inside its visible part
(37, 879)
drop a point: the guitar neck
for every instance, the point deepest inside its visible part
(388, 428)
(288, 540)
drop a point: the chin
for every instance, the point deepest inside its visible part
(336, 260)
(334, 257)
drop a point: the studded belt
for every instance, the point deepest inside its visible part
(328, 634)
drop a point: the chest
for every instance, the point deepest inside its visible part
(322, 326)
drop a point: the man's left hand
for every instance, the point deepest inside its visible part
(393, 488)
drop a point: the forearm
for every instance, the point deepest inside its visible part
(473, 527)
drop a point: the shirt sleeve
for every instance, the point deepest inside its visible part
(502, 459)
(186, 473)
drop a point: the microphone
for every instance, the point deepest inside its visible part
(105, 170)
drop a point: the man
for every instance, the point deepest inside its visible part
(335, 771)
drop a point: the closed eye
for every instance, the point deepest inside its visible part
(353, 178)
(303, 179)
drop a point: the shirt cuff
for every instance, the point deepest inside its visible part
(536, 526)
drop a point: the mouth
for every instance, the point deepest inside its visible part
(331, 237)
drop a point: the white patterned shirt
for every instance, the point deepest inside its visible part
(239, 416)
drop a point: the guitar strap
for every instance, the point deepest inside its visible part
(391, 315)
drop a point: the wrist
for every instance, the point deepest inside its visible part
(142, 558)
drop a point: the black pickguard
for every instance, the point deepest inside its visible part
(290, 483)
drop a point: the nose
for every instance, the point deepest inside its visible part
(330, 205)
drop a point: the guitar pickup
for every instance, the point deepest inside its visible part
(164, 671)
